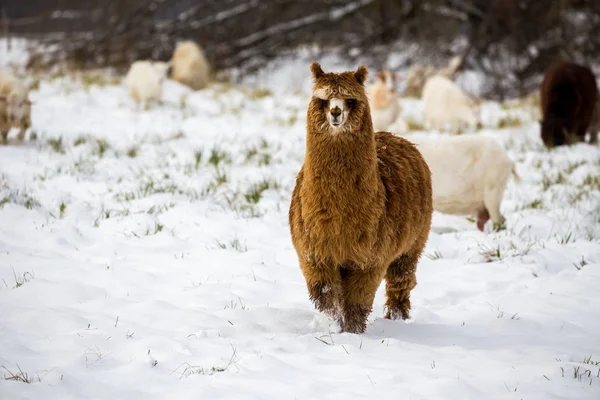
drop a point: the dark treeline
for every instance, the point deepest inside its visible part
(511, 41)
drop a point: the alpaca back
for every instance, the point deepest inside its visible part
(445, 104)
(461, 167)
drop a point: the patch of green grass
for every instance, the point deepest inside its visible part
(56, 144)
(251, 153)
(30, 202)
(153, 231)
(259, 152)
(61, 210)
(536, 204)
(159, 209)
(197, 158)
(16, 196)
(593, 181)
(497, 227)
(548, 181)
(258, 93)
(101, 147)
(238, 246)
(218, 156)
(80, 140)
(508, 122)
(89, 79)
(581, 263)
(573, 166)
(412, 125)
(255, 192)
(132, 152)
(234, 244)
(566, 239)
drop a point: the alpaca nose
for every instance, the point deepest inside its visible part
(335, 112)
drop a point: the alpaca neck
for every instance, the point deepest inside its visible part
(342, 158)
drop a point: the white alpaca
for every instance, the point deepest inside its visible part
(446, 106)
(383, 100)
(15, 107)
(418, 75)
(469, 175)
(144, 80)
(189, 65)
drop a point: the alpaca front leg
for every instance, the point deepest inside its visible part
(400, 279)
(324, 286)
(5, 137)
(358, 287)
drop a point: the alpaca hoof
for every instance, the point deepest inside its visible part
(324, 299)
(355, 318)
(397, 315)
(401, 311)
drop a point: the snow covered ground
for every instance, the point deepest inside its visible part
(145, 254)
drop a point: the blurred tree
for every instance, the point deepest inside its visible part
(511, 41)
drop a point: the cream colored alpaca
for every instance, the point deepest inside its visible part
(469, 174)
(15, 107)
(189, 65)
(446, 106)
(383, 100)
(144, 80)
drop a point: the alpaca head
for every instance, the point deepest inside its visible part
(553, 132)
(339, 101)
(388, 79)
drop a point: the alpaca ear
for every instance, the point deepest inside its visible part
(316, 70)
(361, 74)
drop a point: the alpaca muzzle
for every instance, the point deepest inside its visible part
(336, 116)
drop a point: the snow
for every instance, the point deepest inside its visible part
(167, 275)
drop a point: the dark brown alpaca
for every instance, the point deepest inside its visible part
(569, 92)
(361, 209)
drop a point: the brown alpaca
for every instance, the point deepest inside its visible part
(361, 209)
(568, 94)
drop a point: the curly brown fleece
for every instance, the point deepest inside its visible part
(361, 209)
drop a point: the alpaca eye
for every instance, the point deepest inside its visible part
(324, 103)
(350, 102)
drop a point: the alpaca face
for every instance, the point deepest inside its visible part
(388, 78)
(337, 110)
(339, 102)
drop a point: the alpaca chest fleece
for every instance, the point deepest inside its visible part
(340, 227)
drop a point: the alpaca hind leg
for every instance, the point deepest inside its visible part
(594, 136)
(324, 286)
(21, 134)
(400, 279)
(492, 197)
(358, 292)
(5, 137)
(483, 216)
